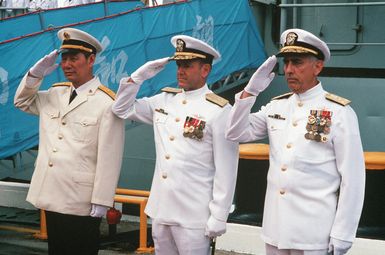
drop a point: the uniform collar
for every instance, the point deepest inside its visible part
(311, 93)
(88, 86)
(197, 92)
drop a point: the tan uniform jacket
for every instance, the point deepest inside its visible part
(80, 147)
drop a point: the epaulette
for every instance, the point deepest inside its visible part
(214, 98)
(58, 84)
(171, 90)
(337, 99)
(106, 90)
(286, 95)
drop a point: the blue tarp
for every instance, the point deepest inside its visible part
(130, 40)
(17, 26)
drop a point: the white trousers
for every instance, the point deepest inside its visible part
(176, 240)
(273, 250)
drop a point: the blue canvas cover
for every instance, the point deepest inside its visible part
(129, 40)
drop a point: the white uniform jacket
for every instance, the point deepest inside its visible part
(80, 147)
(302, 206)
(193, 179)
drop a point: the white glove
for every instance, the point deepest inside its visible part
(338, 246)
(98, 210)
(148, 70)
(262, 77)
(215, 227)
(45, 65)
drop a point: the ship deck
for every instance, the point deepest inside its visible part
(18, 226)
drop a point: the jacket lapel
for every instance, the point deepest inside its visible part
(81, 97)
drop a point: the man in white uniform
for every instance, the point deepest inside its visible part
(316, 177)
(196, 167)
(80, 145)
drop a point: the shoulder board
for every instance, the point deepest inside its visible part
(286, 95)
(59, 84)
(106, 90)
(171, 90)
(337, 99)
(214, 98)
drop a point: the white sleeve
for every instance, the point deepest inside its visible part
(351, 166)
(226, 166)
(243, 126)
(126, 106)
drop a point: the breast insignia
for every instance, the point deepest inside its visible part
(171, 90)
(337, 99)
(106, 90)
(214, 98)
(60, 84)
(286, 95)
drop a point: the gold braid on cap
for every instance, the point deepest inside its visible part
(188, 55)
(298, 49)
(77, 47)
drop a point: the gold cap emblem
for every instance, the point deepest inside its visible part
(291, 38)
(66, 36)
(180, 45)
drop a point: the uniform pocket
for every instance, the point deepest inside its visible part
(81, 178)
(85, 129)
(51, 120)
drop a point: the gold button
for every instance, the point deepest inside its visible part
(288, 145)
(295, 124)
(284, 168)
(164, 175)
(272, 127)
(50, 164)
(63, 123)
(54, 150)
(172, 138)
(177, 119)
(167, 156)
(60, 137)
(300, 104)
(184, 101)
(281, 192)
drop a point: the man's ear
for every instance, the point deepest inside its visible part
(319, 65)
(206, 69)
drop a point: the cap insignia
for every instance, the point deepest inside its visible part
(291, 38)
(180, 45)
(66, 36)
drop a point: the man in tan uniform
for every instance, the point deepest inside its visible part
(80, 145)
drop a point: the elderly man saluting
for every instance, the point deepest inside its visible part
(80, 145)
(315, 182)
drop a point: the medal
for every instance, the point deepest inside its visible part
(193, 128)
(318, 125)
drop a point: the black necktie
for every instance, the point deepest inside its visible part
(73, 95)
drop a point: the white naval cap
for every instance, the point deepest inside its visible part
(77, 40)
(188, 48)
(298, 41)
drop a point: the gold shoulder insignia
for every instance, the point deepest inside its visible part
(286, 95)
(59, 84)
(214, 98)
(337, 99)
(171, 90)
(106, 90)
